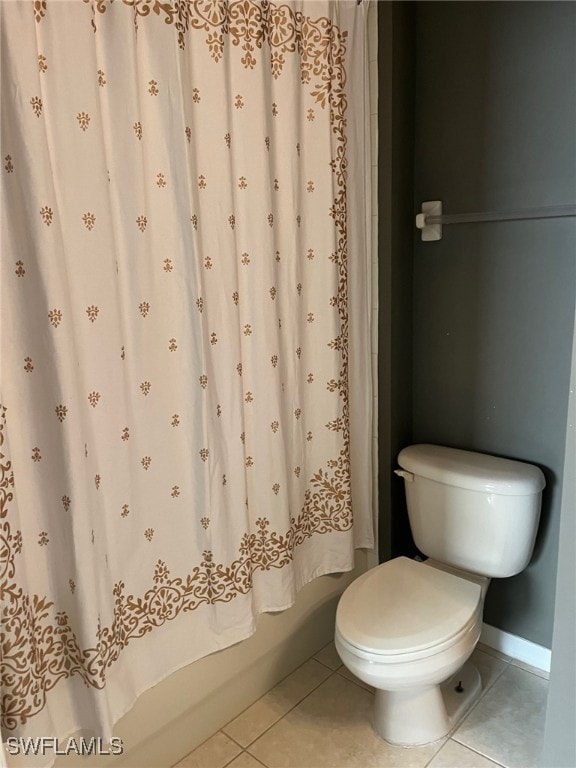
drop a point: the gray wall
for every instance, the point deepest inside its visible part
(560, 734)
(396, 69)
(495, 116)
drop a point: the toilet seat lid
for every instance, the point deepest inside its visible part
(405, 606)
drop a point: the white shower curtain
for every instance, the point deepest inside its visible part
(184, 272)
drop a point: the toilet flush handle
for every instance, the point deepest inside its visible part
(408, 476)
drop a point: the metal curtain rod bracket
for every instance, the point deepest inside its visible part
(431, 219)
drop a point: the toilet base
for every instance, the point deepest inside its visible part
(413, 717)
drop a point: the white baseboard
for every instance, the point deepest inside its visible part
(516, 647)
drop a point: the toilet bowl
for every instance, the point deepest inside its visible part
(408, 627)
(405, 627)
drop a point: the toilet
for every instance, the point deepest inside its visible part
(408, 627)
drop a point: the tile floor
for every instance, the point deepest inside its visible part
(319, 717)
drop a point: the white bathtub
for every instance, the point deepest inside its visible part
(178, 714)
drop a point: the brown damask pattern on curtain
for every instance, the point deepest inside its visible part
(175, 432)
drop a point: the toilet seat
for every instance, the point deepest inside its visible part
(404, 610)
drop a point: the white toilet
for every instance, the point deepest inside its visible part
(408, 627)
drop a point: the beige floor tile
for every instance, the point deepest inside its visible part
(454, 755)
(271, 707)
(331, 728)
(530, 668)
(345, 672)
(245, 760)
(490, 667)
(329, 656)
(507, 724)
(216, 752)
(492, 652)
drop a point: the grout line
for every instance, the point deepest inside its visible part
(208, 739)
(358, 683)
(231, 739)
(482, 754)
(326, 665)
(477, 752)
(264, 694)
(451, 735)
(246, 752)
(513, 661)
(444, 742)
(492, 652)
(235, 756)
(255, 758)
(453, 731)
(488, 687)
(247, 747)
(530, 669)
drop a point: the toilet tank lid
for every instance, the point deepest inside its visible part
(472, 471)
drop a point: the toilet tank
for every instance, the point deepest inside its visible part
(471, 510)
